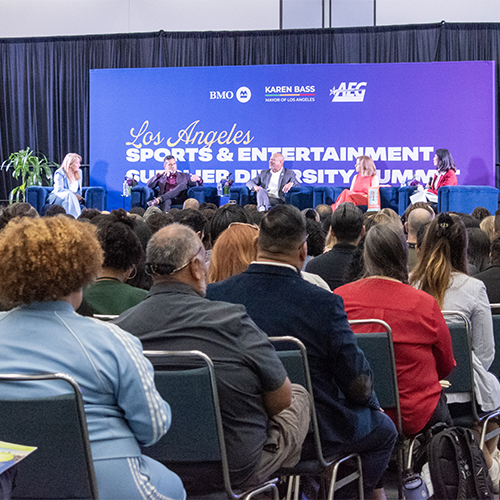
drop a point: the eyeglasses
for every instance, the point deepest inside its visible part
(166, 269)
(303, 242)
(253, 226)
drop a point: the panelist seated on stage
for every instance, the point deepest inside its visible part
(365, 179)
(272, 185)
(68, 185)
(445, 175)
(172, 185)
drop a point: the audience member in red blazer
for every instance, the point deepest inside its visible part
(422, 343)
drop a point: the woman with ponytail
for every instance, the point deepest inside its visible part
(441, 271)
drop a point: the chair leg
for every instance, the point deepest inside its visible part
(357, 475)
(293, 487)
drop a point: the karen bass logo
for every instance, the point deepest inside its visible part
(349, 92)
(243, 94)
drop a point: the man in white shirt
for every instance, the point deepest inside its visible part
(272, 185)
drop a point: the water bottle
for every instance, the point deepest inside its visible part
(414, 488)
(125, 190)
(219, 188)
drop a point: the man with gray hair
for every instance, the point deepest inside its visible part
(265, 417)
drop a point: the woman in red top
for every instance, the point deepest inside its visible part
(445, 171)
(365, 178)
(422, 343)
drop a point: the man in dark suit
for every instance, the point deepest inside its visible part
(272, 185)
(172, 185)
(347, 226)
(282, 303)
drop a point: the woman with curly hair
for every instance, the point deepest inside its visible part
(365, 179)
(68, 185)
(109, 294)
(45, 265)
(441, 271)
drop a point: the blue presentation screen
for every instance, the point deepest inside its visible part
(220, 120)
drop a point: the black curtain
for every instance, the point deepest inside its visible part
(45, 81)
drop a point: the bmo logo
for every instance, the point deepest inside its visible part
(243, 94)
(225, 94)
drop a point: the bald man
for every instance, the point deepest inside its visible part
(272, 185)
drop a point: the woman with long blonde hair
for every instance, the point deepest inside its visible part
(365, 179)
(68, 185)
(441, 271)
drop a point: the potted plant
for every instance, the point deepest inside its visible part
(30, 168)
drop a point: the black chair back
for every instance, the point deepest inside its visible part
(61, 467)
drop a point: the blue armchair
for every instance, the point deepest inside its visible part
(140, 195)
(466, 198)
(95, 196)
(299, 196)
(457, 198)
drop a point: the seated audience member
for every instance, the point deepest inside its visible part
(224, 216)
(365, 179)
(324, 211)
(497, 223)
(347, 227)
(137, 211)
(256, 217)
(205, 205)
(478, 250)
(491, 276)
(414, 206)
(192, 203)
(233, 251)
(89, 213)
(441, 271)
(193, 219)
(422, 342)
(53, 210)
(468, 220)
(488, 226)
(109, 294)
(16, 210)
(157, 220)
(46, 262)
(150, 211)
(416, 219)
(395, 218)
(172, 185)
(281, 303)
(315, 240)
(272, 184)
(310, 213)
(251, 208)
(265, 417)
(142, 279)
(480, 213)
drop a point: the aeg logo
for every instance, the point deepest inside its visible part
(352, 92)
